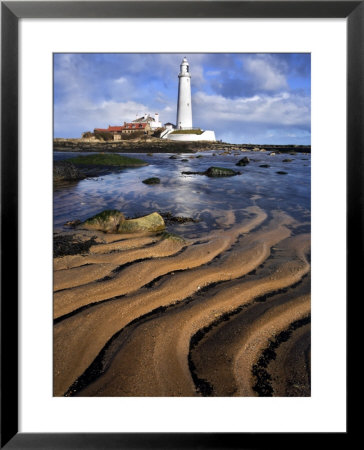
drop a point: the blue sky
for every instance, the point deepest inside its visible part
(244, 98)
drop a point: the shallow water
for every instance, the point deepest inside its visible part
(211, 200)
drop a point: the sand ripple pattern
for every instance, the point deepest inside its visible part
(161, 317)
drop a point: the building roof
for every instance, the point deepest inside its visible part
(114, 128)
(126, 126)
(134, 126)
(144, 119)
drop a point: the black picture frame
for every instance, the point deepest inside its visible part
(11, 12)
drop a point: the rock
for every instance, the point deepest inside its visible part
(243, 162)
(272, 154)
(287, 160)
(66, 171)
(220, 172)
(265, 166)
(172, 237)
(152, 180)
(151, 222)
(108, 221)
(184, 160)
(170, 218)
(71, 245)
(173, 157)
(281, 172)
(73, 223)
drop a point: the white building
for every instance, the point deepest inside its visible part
(154, 122)
(184, 130)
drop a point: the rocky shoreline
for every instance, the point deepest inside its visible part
(163, 146)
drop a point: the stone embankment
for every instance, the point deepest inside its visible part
(155, 145)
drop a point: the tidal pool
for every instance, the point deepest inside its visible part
(214, 202)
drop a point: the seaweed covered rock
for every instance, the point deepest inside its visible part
(214, 172)
(108, 160)
(71, 245)
(151, 222)
(172, 237)
(108, 221)
(66, 171)
(220, 172)
(152, 180)
(243, 162)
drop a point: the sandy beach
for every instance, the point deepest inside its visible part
(150, 315)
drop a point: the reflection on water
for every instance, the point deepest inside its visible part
(211, 200)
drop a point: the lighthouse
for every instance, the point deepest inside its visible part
(184, 105)
(183, 130)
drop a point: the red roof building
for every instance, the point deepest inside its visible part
(127, 127)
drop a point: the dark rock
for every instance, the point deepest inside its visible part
(72, 223)
(66, 171)
(220, 172)
(243, 162)
(281, 172)
(265, 166)
(214, 172)
(287, 160)
(153, 180)
(170, 218)
(70, 245)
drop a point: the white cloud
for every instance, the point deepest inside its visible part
(120, 80)
(282, 109)
(266, 74)
(88, 115)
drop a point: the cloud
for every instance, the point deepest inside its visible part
(86, 115)
(121, 80)
(257, 119)
(238, 95)
(268, 75)
(280, 109)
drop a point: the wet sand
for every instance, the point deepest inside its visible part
(148, 316)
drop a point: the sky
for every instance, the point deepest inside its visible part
(245, 98)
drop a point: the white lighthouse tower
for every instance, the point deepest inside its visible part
(184, 106)
(184, 130)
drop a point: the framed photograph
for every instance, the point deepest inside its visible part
(181, 209)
